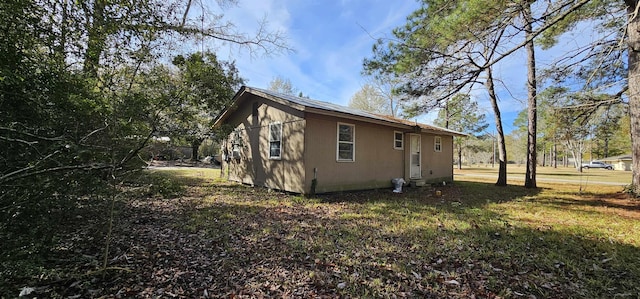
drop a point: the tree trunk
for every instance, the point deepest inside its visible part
(62, 41)
(446, 114)
(633, 77)
(96, 38)
(544, 154)
(554, 155)
(530, 176)
(576, 147)
(502, 147)
(459, 156)
(195, 145)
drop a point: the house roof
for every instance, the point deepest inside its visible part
(619, 158)
(320, 107)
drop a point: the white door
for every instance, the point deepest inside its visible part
(414, 168)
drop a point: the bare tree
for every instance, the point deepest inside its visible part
(369, 98)
(282, 85)
(387, 86)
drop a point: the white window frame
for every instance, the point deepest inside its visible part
(279, 140)
(395, 140)
(352, 142)
(437, 144)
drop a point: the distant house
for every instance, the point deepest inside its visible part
(301, 145)
(622, 162)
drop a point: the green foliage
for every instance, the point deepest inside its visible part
(573, 118)
(207, 81)
(593, 10)
(461, 114)
(201, 88)
(81, 93)
(611, 134)
(595, 67)
(439, 50)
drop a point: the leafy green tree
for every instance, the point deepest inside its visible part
(445, 47)
(607, 65)
(620, 138)
(82, 63)
(547, 126)
(480, 149)
(80, 94)
(608, 121)
(567, 124)
(205, 87)
(461, 114)
(516, 142)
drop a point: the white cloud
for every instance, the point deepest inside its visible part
(329, 47)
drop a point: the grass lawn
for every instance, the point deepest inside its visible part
(586, 178)
(200, 236)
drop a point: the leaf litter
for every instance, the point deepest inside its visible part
(231, 241)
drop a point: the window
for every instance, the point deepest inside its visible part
(437, 144)
(346, 144)
(236, 145)
(275, 140)
(398, 140)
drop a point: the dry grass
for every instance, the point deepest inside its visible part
(516, 173)
(477, 239)
(222, 239)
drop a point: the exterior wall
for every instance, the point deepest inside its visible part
(241, 169)
(623, 165)
(618, 164)
(254, 167)
(309, 149)
(437, 166)
(376, 160)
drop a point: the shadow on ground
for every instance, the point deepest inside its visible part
(228, 240)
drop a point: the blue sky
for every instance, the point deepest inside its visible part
(331, 39)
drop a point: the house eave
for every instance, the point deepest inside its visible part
(404, 127)
(355, 117)
(372, 118)
(277, 99)
(230, 109)
(240, 95)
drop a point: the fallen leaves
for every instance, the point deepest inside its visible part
(231, 241)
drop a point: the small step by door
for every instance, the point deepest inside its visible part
(415, 158)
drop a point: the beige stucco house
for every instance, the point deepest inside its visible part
(301, 145)
(622, 162)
